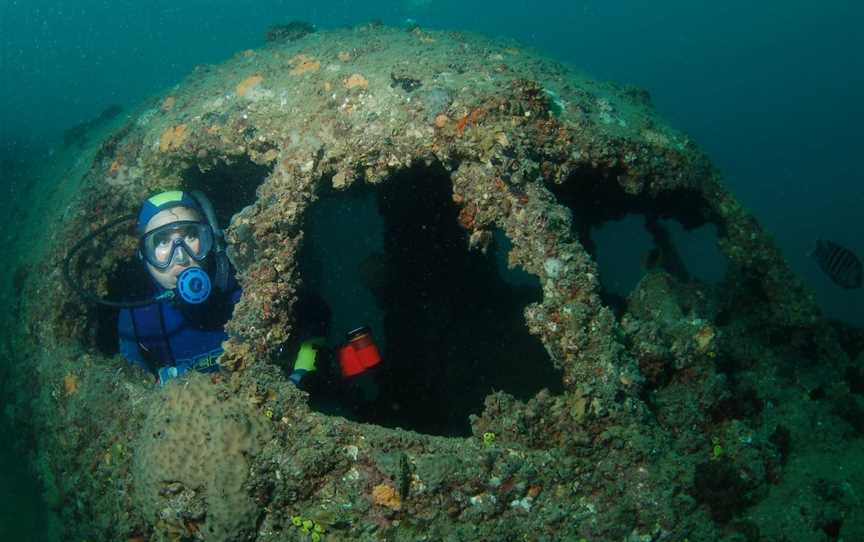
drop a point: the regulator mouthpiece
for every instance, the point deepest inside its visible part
(194, 285)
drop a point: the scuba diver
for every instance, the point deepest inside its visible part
(178, 232)
(345, 377)
(181, 325)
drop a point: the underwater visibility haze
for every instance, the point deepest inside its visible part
(568, 270)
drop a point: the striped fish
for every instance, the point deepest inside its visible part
(840, 264)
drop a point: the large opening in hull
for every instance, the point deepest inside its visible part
(629, 236)
(229, 187)
(448, 321)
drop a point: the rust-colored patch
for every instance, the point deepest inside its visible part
(704, 337)
(173, 137)
(386, 495)
(356, 81)
(168, 103)
(192, 527)
(301, 64)
(467, 216)
(470, 119)
(115, 167)
(344, 56)
(70, 384)
(247, 84)
(653, 368)
(460, 125)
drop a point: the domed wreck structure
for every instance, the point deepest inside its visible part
(446, 185)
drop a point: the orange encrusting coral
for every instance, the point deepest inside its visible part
(356, 81)
(172, 138)
(469, 120)
(245, 85)
(70, 384)
(386, 495)
(467, 216)
(301, 64)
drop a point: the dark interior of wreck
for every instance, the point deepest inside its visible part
(448, 321)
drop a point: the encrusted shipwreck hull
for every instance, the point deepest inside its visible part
(524, 148)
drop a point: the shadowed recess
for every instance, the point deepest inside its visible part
(448, 321)
(630, 235)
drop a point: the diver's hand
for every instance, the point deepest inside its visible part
(307, 359)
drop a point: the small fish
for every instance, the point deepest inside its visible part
(840, 264)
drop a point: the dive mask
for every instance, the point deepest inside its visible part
(174, 242)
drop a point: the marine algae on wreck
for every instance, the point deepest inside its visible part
(465, 197)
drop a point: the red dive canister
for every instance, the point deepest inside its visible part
(359, 353)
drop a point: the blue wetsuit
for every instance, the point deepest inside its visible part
(168, 339)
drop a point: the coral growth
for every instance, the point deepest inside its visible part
(387, 496)
(196, 446)
(292, 31)
(469, 119)
(247, 84)
(70, 384)
(592, 414)
(168, 103)
(173, 137)
(355, 80)
(301, 64)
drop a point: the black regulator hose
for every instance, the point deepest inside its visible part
(88, 296)
(219, 255)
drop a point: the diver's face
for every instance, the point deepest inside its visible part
(167, 278)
